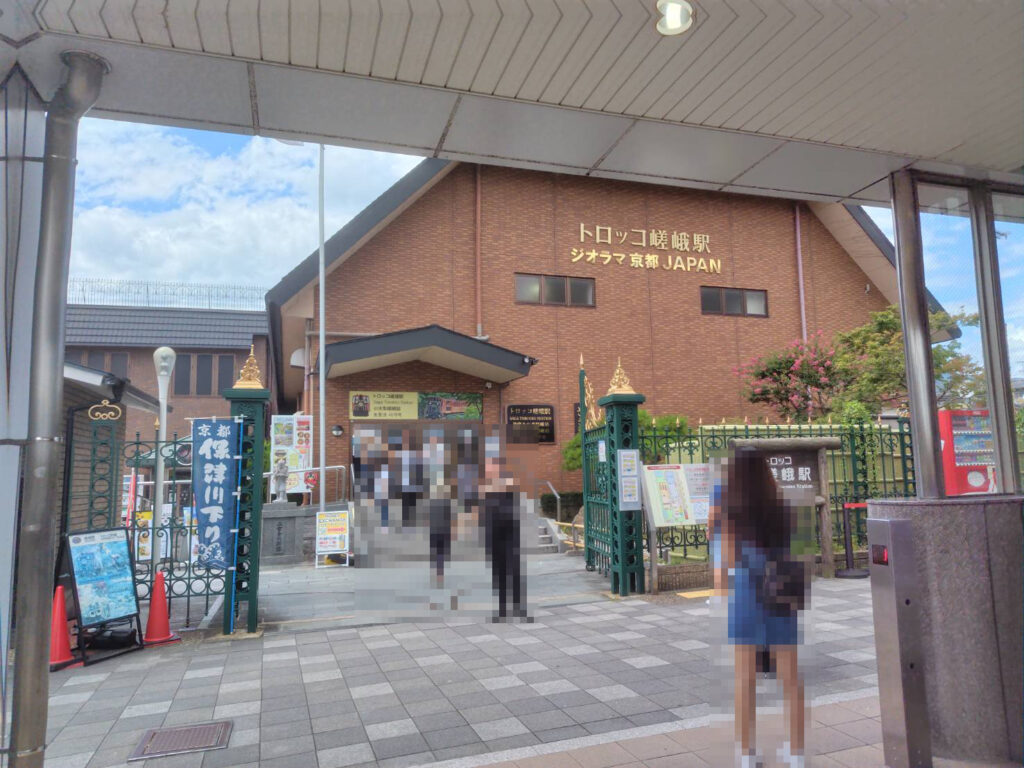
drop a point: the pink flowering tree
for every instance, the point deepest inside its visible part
(798, 381)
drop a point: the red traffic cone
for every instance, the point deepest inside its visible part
(60, 644)
(158, 627)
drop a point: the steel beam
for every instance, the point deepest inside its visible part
(993, 339)
(37, 530)
(916, 337)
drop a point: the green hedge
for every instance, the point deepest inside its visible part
(571, 502)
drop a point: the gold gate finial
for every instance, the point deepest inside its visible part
(620, 382)
(581, 361)
(249, 377)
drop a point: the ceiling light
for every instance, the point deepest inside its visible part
(676, 16)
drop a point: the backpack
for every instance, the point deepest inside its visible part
(784, 585)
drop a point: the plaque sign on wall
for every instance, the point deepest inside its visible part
(531, 423)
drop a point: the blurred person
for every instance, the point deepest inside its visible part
(766, 593)
(410, 476)
(499, 505)
(439, 500)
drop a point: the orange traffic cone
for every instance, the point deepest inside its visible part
(158, 627)
(60, 644)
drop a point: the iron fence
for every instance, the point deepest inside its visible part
(597, 526)
(873, 461)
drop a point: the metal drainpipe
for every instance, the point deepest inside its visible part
(800, 272)
(36, 530)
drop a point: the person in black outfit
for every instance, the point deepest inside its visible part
(500, 509)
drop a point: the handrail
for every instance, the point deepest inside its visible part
(558, 501)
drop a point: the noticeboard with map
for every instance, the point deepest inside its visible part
(104, 580)
(676, 494)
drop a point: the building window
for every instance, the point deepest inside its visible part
(204, 374)
(225, 372)
(119, 364)
(733, 301)
(96, 360)
(183, 375)
(557, 290)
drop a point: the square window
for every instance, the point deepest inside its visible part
(528, 289)
(96, 360)
(733, 300)
(119, 364)
(711, 300)
(757, 303)
(554, 290)
(581, 291)
(226, 371)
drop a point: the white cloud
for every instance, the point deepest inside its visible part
(155, 203)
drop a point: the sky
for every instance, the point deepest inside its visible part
(159, 203)
(162, 203)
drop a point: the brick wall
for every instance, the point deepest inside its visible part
(421, 270)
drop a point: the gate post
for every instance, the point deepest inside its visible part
(248, 400)
(627, 527)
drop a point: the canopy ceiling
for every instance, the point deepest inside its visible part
(816, 99)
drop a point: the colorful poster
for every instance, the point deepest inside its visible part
(143, 534)
(698, 490)
(332, 537)
(215, 489)
(412, 406)
(291, 442)
(104, 578)
(677, 494)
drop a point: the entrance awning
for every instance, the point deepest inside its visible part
(432, 344)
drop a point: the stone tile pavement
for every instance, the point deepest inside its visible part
(417, 693)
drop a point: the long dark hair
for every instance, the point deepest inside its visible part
(753, 504)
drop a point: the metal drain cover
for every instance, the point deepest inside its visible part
(159, 742)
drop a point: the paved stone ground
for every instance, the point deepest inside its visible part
(414, 693)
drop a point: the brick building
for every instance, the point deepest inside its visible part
(211, 347)
(494, 281)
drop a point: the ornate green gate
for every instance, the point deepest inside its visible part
(613, 538)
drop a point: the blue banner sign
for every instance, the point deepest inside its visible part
(215, 486)
(104, 581)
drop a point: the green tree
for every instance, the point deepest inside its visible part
(572, 451)
(874, 367)
(799, 381)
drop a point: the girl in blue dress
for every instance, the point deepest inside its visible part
(755, 528)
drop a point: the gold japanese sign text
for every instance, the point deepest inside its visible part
(696, 244)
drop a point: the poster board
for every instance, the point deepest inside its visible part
(291, 439)
(676, 494)
(628, 470)
(104, 576)
(413, 406)
(332, 537)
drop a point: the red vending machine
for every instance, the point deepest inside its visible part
(968, 453)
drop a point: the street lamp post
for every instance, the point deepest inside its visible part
(163, 359)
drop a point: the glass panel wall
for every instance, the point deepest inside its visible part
(1008, 213)
(961, 391)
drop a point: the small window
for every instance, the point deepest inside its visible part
(757, 302)
(581, 291)
(204, 374)
(733, 301)
(183, 375)
(711, 300)
(528, 289)
(225, 372)
(119, 364)
(96, 360)
(554, 290)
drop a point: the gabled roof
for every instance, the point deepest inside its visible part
(432, 344)
(110, 326)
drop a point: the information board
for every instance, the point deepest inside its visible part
(291, 440)
(531, 424)
(628, 465)
(101, 565)
(332, 537)
(411, 406)
(676, 494)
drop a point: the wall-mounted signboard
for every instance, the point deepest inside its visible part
(531, 424)
(413, 406)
